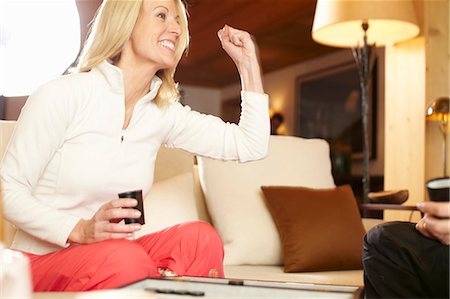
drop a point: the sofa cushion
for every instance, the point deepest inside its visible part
(236, 204)
(320, 229)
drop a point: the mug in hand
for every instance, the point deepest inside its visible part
(438, 189)
(137, 194)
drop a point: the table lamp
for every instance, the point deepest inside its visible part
(349, 24)
(438, 112)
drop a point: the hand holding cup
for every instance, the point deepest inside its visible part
(107, 223)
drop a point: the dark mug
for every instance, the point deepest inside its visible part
(438, 189)
(137, 194)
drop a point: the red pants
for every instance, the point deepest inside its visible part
(188, 249)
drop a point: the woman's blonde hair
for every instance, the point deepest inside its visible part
(112, 28)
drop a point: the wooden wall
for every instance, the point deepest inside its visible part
(437, 54)
(417, 72)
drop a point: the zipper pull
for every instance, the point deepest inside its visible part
(122, 135)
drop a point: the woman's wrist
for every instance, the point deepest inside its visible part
(251, 79)
(76, 235)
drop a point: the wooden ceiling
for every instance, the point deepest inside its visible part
(282, 29)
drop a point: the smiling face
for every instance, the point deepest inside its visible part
(155, 37)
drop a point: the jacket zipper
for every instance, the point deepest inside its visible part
(122, 136)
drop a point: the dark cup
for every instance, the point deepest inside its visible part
(137, 194)
(438, 189)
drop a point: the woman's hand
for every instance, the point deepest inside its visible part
(240, 46)
(435, 223)
(105, 224)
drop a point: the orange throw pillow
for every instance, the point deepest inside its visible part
(320, 229)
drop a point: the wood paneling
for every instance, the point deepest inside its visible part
(416, 73)
(404, 153)
(437, 79)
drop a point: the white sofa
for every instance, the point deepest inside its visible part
(181, 185)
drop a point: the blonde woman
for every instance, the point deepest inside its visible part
(83, 138)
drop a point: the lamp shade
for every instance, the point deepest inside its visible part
(338, 22)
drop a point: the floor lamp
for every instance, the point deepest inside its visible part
(362, 25)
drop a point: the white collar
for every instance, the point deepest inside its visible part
(114, 77)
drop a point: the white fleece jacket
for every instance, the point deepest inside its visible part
(69, 154)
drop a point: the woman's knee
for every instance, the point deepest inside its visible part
(207, 252)
(203, 231)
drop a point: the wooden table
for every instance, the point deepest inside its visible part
(382, 207)
(378, 209)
